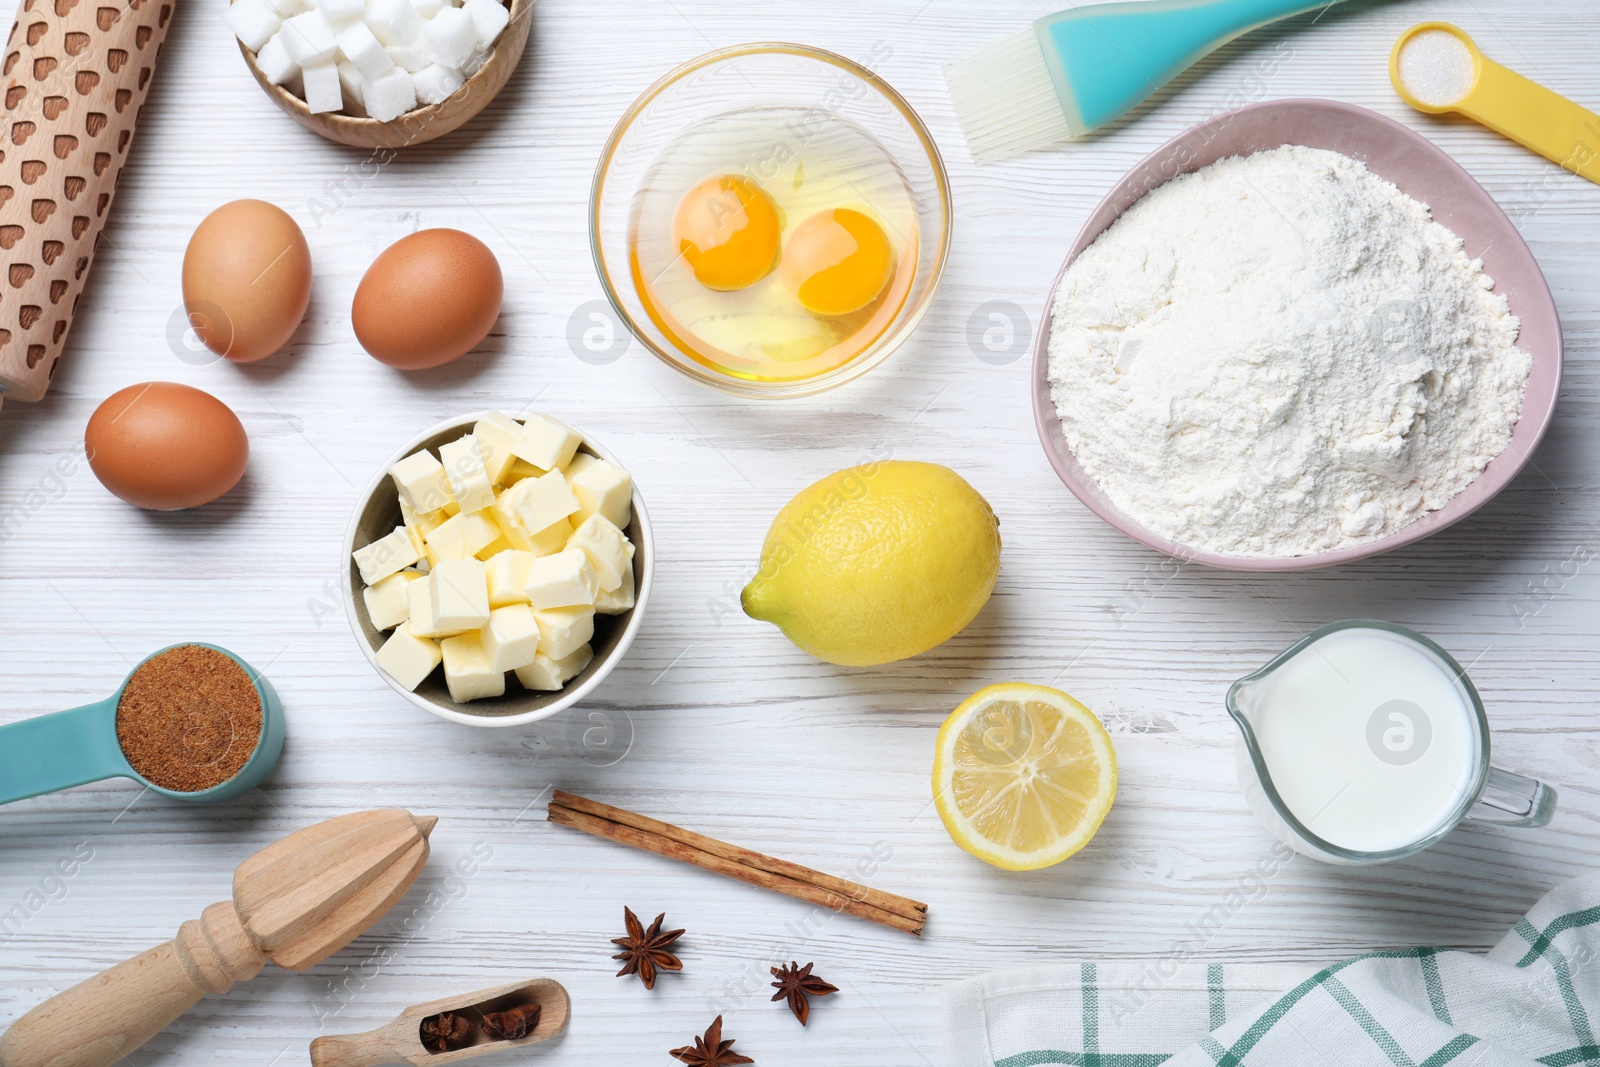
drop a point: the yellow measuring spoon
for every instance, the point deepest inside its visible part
(1436, 67)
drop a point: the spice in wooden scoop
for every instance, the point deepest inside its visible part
(189, 718)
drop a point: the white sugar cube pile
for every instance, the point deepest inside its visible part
(379, 58)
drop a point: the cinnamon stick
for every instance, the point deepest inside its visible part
(753, 868)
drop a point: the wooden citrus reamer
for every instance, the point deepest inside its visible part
(295, 902)
(75, 75)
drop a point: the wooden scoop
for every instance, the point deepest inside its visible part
(401, 1040)
(295, 902)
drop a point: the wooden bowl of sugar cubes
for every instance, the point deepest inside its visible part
(381, 73)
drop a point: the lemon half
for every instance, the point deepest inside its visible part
(1023, 776)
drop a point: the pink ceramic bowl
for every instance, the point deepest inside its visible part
(1421, 170)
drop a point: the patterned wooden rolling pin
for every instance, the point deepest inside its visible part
(75, 75)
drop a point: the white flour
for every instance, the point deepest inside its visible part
(1282, 354)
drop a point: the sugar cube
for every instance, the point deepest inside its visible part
(469, 481)
(474, 61)
(602, 489)
(463, 536)
(541, 502)
(366, 53)
(420, 479)
(511, 637)
(458, 592)
(309, 38)
(254, 22)
(618, 600)
(508, 577)
(342, 12)
(562, 580)
(390, 553)
(467, 670)
(411, 57)
(547, 443)
(607, 547)
(563, 630)
(549, 674)
(322, 90)
(451, 35)
(393, 21)
(274, 61)
(387, 603)
(435, 84)
(428, 8)
(389, 95)
(350, 83)
(285, 8)
(489, 17)
(496, 432)
(407, 658)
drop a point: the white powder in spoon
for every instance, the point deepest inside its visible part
(1282, 354)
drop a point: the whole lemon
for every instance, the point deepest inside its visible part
(877, 563)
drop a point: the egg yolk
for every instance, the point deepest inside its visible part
(726, 229)
(837, 262)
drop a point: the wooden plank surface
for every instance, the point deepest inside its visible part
(715, 722)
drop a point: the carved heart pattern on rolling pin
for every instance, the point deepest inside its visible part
(72, 98)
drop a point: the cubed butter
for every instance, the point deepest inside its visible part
(469, 479)
(607, 546)
(519, 470)
(467, 670)
(497, 434)
(508, 575)
(423, 521)
(407, 658)
(493, 548)
(602, 489)
(562, 580)
(579, 461)
(547, 443)
(421, 482)
(420, 617)
(552, 538)
(539, 503)
(511, 637)
(618, 600)
(458, 592)
(549, 675)
(389, 554)
(562, 630)
(463, 535)
(386, 600)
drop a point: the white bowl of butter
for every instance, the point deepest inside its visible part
(410, 663)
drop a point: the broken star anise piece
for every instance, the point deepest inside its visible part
(645, 951)
(797, 983)
(444, 1031)
(512, 1023)
(711, 1050)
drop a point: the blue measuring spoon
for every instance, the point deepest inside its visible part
(68, 748)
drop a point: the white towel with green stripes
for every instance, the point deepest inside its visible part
(1533, 999)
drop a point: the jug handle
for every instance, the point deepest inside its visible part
(1510, 799)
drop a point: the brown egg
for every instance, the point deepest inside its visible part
(427, 299)
(163, 446)
(246, 279)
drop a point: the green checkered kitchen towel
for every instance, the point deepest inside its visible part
(1533, 999)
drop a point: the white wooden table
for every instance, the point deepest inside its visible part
(716, 721)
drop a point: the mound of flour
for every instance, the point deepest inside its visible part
(1282, 354)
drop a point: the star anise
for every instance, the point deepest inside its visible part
(646, 950)
(711, 1050)
(797, 983)
(444, 1031)
(512, 1023)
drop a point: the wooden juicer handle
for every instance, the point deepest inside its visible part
(295, 902)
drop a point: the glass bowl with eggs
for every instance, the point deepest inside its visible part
(770, 219)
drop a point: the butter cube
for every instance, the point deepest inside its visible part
(419, 541)
(511, 637)
(508, 574)
(423, 521)
(540, 503)
(387, 555)
(492, 549)
(407, 658)
(547, 443)
(549, 675)
(497, 434)
(421, 621)
(469, 478)
(467, 670)
(578, 462)
(608, 549)
(552, 538)
(562, 630)
(458, 594)
(618, 600)
(421, 482)
(602, 489)
(562, 580)
(463, 535)
(520, 469)
(386, 600)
